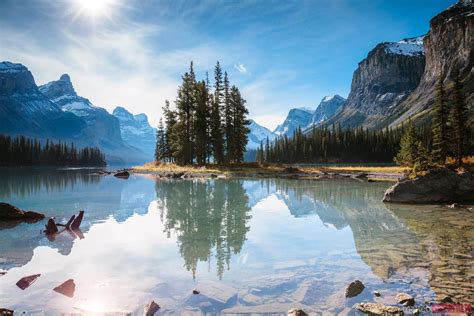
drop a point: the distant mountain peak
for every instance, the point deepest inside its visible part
(6, 66)
(59, 88)
(65, 77)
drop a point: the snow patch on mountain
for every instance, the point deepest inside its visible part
(410, 47)
(258, 134)
(136, 130)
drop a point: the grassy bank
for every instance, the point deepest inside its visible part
(256, 168)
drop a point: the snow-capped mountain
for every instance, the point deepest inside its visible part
(26, 111)
(136, 130)
(300, 117)
(257, 134)
(305, 117)
(56, 112)
(328, 106)
(104, 125)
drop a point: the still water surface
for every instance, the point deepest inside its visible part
(249, 246)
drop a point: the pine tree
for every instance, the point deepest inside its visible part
(160, 149)
(201, 126)
(412, 152)
(239, 130)
(171, 139)
(459, 131)
(439, 151)
(216, 124)
(186, 106)
(228, 121)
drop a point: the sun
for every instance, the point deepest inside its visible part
(94, 7)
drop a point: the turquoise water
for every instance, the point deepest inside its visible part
(259, 246)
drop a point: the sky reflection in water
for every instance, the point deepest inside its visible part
(248, 245)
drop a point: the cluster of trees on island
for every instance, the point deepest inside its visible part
(418, 147)
(23, 151)
(206, 125)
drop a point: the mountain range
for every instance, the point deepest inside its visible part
(395, 82)
(55, 111)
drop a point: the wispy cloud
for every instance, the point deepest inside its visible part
(240, 68)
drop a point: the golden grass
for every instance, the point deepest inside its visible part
(254, 167)
(390, 169)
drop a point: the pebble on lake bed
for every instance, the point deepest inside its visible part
(405, 299)
(6, 312)
(297, 312)
(67, 288)
(151, 308)
(354, 288)
(379, 309)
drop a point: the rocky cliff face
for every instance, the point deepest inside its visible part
(391, 71)
(448, 46)
(258, 134)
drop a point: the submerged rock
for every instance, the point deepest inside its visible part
(122, 174)
(379, 309)
(6, 312)
(9, 212)
(405, 299)
(151, 308)
(441, 185)
(25, 282)
(297, 312)
(67, 288)
(355, 288)
(377, 293)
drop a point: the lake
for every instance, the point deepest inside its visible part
(247, 245)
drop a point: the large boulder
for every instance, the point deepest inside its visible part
(438, 186)
(9, 212)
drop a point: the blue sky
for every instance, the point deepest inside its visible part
(282, 54)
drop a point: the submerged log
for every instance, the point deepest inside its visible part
(51, 227)
(77, 221)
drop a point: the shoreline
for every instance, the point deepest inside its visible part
(364, 173)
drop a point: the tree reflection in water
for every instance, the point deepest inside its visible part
(209, 218)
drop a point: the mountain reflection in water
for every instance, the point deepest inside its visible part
(249, 246)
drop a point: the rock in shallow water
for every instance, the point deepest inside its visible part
(297, 312)
(9, 212)
(355, 288)
(151, 308)
(405, 299)
(122, 174)
(379, 309)
(441, 185)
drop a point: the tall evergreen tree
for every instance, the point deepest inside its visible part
(239, 129)
(216, 123)
(439, 151)
(160, 149)
(186, 106)
(459, 131)
(171, 134)
(228, 121)
(201, 126)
